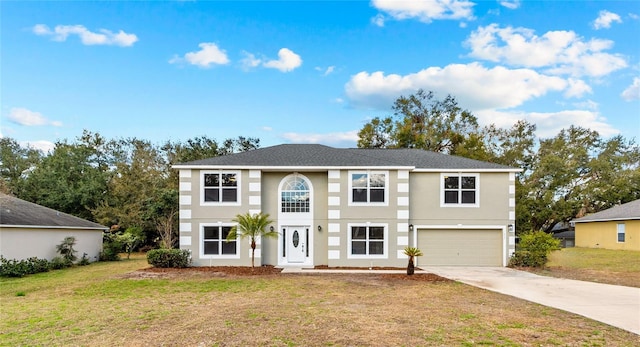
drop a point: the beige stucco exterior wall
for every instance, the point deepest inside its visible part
(23, 243)
(605, 235)
(413, 198)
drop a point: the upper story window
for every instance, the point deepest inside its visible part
(459, 190)
(220, 187)
(295, 195)
(368, 187)
(621, 232)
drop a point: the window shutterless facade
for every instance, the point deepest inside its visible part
(368, 187)
(295, 195)
(214, 243)
(621, 232)
(368, 241)
(220, 187)
(460, 190)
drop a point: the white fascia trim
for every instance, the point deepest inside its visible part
(51, 227)
(290, 168)
(606, 220)
(467, 170)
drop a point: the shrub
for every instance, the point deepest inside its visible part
(58, 263)
(111, 248)
(169, 258)
(21, 268)
(84, 260)
(65, 249)
(533, 249)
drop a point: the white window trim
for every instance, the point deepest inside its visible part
(238, 201)
(621, 229)
(369, 172)
(459, 174)
(213, 256)
(385, 252)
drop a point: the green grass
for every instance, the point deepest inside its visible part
(596, 259)
(96, 305)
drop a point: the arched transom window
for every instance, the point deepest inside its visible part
(295, 195)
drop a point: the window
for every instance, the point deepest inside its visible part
(367, 241)
(214, 241)
(368, 187)
(294, 197)
(621, 232)
(459, 190)
(220, 187)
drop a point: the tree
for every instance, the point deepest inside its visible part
(72, 179)
(421, 121)
(574, 173)
(412, 252)
(253, 227)
(15, 164)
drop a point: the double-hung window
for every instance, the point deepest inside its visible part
(621, 232)
(220, 187)
(459, 189)
(215, 244)
(368, 187)
(368, 241)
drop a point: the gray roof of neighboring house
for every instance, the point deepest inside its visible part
(20, 213)
(630, 210)
(317, 156)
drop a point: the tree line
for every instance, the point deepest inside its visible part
(129, 184)
(124, 184)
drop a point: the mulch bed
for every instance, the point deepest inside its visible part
(264, 271)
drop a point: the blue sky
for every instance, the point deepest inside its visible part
(310, 71)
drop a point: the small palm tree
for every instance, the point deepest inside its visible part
(412, 252)
(251, 226)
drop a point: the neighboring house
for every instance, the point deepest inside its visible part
(615, 228)
(349, 207)
(30, 230)
(565, 233)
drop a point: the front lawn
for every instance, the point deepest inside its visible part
(105, 304)
(595, 265)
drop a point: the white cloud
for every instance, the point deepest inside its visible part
(475, 86)
(426, 10)
(560, 52)
(548, 124)
(26, 117)
(208, 54)
(102, 37)
(577, 88)
(604, 20)
(249, 61)
(43, 146)
(267, 128)
(633, 91)
(340, 139)
(378, 20)
(287, 61)
(510, 4)
(327, 71)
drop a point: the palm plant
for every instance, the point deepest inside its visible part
(65, 249)
(251, 226)
(412, 252)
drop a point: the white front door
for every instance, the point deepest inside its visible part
(296, 243)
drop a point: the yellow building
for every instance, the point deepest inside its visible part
(615, 228)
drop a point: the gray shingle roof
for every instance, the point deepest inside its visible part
(312, 155)
(21, 213)
(630, 210)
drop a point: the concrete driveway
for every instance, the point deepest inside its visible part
(614, 305)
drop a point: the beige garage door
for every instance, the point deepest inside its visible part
(460, 247)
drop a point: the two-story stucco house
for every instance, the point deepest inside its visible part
(349, 207)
